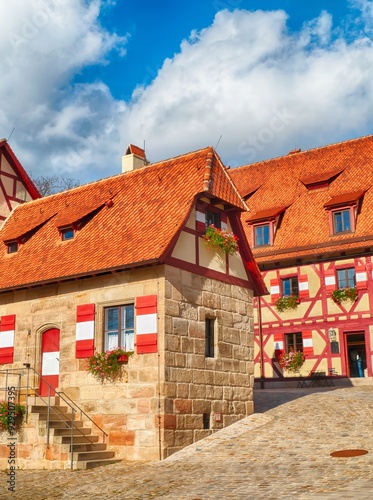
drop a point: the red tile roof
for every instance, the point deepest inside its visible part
(304, 229)
(150, 206)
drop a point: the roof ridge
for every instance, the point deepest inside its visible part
(230, 180)
(327, 146)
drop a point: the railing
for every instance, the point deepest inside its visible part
(46, 400)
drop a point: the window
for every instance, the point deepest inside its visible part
(262, 235)
(213, 218)
(119, 327)
(342, 221)
(346, 278)
(12, 247)
(206, 420)
(290, 286)
(67, 233)
(210, 337)
(293, 342)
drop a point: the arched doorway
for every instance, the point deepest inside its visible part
(50, 361)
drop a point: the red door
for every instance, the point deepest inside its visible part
(50, 361)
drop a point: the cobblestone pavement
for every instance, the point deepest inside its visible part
(280, 452)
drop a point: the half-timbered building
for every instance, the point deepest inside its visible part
(122, 262)
(15, 185)
(310, 226)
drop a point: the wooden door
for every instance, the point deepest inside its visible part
(50, 361)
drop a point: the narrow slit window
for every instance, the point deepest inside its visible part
(210, 338)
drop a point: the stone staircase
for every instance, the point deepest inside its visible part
(87, 451)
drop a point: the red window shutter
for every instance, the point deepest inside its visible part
(304, 291)
(274, 289)
(85, 330)
(361, 277)
(200, 221)
(7, 331)
(278, 340)
(307, 343)
(146, 324)
(330, 281)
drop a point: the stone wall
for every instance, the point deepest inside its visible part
(195, 384)
(127, 411)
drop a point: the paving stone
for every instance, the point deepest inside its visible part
(282, 451)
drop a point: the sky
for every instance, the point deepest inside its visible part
(80, 80)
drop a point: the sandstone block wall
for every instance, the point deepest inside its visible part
(195, 384)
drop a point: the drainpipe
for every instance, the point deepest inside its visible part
(262, 375)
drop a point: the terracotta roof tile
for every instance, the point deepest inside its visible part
(150, 206)
(306, 222)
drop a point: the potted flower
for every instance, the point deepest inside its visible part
(344, 294)
(108, 366)
(287, 303)
(11, 416)
(216, 239)
(291, 361)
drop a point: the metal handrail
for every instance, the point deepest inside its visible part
(65, 398)
(82, 412)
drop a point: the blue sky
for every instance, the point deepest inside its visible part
(83, 79)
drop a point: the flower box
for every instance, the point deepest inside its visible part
(287, 303)
(220, 239)
(344, 294)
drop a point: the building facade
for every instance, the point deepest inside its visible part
(310, 227)
(123, 263)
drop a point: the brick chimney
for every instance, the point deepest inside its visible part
(134, 158)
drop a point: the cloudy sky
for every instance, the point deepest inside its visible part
(83, 79)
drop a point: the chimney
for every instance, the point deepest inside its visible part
(134, 158)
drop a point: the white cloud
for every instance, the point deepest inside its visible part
(264, 89)
(44, 44)
(245, 77)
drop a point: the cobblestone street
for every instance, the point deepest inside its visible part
(282, 451)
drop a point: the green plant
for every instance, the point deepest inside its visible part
(286, 303)
(107, 366)
(11, 416)
(344, 294)
(292, 361)
(216, 238)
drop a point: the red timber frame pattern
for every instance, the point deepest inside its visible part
(10, 182)
(253, 275)
(356, 317)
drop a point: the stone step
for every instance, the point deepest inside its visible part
(88, 447)
(44, 409)
(67, 432)
(88, 439)
(91, 464)
(59, 424)
(87, 456)
(54, 416)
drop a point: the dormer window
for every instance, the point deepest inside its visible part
(67, 233)
(262, 235)
(343, 210)
(264, 226)
(341, 221)
(12, 247)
